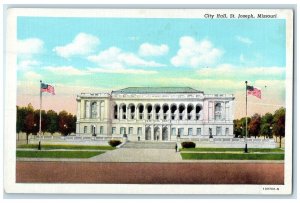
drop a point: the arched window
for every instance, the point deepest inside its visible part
(149, 111)
(173, 110)
(94, 109)
(181, 111)
(116, 111)
(165, 111)
(141, 111)
(198, 112)
(190, 108)
(218, 111)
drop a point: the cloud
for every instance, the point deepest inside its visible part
(114, 55)
(27, 64)
(244, 40)
(30, 75)
(193, 53)
(230, 71)
(147, 49)
(122, 71)
(82, 44)
(66, 70)
(28, 47)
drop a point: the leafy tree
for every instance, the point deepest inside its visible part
(243, 125)
(237, 130)
(266, 124)
(52, 121)
(254, 125)
(43, 121)
(21, 115)
(66, 123)
(279, 124)
(30, 124)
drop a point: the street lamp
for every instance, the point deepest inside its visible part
(270, 131)
(66, 127)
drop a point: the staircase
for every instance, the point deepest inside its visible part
(150, 145)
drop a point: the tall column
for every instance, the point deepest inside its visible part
(118, 111)
(98, 109)
(145, 112)
(121, 112)
(152, 132)
(161, 133)
(153, 112)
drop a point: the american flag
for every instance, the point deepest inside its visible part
(47, 88)
(254, 91)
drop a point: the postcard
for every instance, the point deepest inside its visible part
(149, 101)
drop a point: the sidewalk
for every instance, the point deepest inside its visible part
(138, 155)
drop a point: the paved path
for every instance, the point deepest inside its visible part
(138, 155)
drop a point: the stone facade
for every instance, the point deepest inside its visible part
(163, 114)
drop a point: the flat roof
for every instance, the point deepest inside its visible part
(153, 90)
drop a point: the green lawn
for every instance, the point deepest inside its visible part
(229, 156)
(230, 150)
(45, 147)
(57, 154)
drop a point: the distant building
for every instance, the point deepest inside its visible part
(155, 113)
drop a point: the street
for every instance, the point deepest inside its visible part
(149, 173)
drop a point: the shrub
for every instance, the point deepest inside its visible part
(114, 143)
(188, 145)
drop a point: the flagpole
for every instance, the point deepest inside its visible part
(40, 126)
(246, 130)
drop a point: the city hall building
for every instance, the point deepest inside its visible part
(155, 113)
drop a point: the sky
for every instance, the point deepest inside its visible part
(103, 54)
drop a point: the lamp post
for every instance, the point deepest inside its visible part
(241, 130)
(66, 127)
(270, 131)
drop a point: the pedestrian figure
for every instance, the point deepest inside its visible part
(176, 147)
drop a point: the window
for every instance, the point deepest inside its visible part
(180, 131)
(218, 110)
(190, 131)
(173, 130)
(122, 131)
(113, 130)
(219, 130)
(198, 131)
(139, 131)
(227, 131)
(101, 130)
(94, 110)
(85, 129)
(130, 131)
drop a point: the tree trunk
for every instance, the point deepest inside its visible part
(279, 141)
(27, 135)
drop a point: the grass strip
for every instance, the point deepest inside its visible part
(228, 156)
(47, 146)
(57, 154)
(232, 149)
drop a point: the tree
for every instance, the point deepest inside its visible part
(30, 124)
(243, 125)
(43, 121)
(66, 123)
(237, 128)
(266, 125)
(52, 121)
(279, 124)
(21, 115)
(254, 125)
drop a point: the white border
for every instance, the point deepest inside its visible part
(10, 111)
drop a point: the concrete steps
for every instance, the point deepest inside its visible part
(150, 145)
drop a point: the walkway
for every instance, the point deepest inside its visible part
(138, 155)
